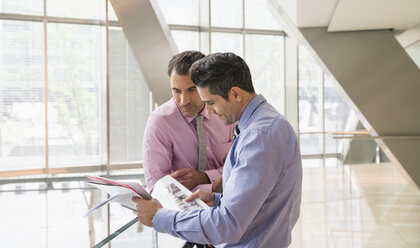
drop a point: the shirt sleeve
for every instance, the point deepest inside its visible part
(205, 187)
(157, 152)
(214, 173)
(255, 171)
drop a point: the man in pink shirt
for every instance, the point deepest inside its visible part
(171, 145)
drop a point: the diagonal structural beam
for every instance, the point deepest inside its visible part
(378, 78)
(150, 40)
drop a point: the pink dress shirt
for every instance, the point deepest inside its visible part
(170, 143)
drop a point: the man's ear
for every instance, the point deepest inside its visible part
(236, 94)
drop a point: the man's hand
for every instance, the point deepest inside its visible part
(217, 185)
(146, 210)
(207, 197)
(190, 177)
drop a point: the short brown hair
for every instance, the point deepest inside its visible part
(182, 62)
(220, 72)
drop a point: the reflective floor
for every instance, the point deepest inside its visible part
(368, 205)
(345, 207)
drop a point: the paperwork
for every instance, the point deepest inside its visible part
(170, 193)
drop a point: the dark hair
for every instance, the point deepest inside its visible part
(182, 62)
(220, 72)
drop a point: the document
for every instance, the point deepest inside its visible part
(170, 193)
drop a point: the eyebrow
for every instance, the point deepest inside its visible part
(190, 88)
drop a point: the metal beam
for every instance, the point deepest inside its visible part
(150, 40)
(378, 78)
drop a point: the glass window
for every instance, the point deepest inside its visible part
(28, 7)
(129, 101)
(310, 83)
(22, 116)
(76, 74)
(310, 143)
(226, 13)
(180, 11)
(185, 40)
(337, 114)
(337, 111)
(266, 65)
(92, 9)
(227, 42)
(259, 16)
(111, 13)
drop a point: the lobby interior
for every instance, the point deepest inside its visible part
(78, 80)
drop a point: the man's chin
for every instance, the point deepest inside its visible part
(225, 121)
(188, 113)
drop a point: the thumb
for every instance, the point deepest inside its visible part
(179, 173)
(193, 196)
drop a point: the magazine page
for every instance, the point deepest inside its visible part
(172, 194)
(133, 186)
(118, 194)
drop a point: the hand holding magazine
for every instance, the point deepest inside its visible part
(170, 193)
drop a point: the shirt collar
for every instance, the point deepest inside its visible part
(249, 110)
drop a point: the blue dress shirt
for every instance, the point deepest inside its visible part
(262, 184)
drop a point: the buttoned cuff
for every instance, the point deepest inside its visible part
(164, 220)
(217, 197)
(212, 174)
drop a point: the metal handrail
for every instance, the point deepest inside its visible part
(365, 135)
(357, 132)
(378, 137)
(68, 170)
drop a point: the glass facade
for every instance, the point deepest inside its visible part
(72, 95)
(22, 95)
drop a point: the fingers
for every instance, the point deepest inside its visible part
(184, 174)
(184, 182)
(180, 173)
(193, 196)
(136, 199)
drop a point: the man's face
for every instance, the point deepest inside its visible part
(185, 94)
(228, 111)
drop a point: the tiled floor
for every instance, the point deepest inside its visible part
(367, 205)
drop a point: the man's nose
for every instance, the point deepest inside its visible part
(185, 99)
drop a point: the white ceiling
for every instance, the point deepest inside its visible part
(314, 13)
(403, 16)
(348, 15)
(375, 14)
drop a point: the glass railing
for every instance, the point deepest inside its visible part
(48, 210)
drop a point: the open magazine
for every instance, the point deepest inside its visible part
(170, 193)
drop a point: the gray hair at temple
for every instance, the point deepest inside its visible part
(220, 72)
(182, 62)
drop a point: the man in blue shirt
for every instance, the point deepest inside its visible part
(262, 176)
